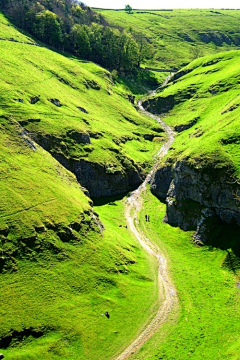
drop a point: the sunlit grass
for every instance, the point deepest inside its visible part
(179, 35)
(206, 322)
(214, 108)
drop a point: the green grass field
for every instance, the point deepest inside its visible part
(206, 323)
(62, 297)
(180, 35)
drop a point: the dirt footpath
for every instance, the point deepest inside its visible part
(167, 293)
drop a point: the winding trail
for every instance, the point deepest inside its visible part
(167, 294)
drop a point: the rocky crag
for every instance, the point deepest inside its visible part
(98, 179)
(197, 198)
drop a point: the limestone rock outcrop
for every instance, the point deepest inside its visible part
(194, 195)
(99, 181)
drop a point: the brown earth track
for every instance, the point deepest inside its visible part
(167, 293)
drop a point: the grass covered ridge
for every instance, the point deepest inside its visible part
(38, 198)
(73, 105)
(58, 273)
(206, 103)
(180, 35)
(52, 306)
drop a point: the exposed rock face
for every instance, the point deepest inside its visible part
(34, 99)
(82, 109)
(56, 102)
(179, 74)
(182, 127)
(186, 37)
(160, 105)
(81, 138)
(195, 195)
(161, 182)
(98, 181)
(92, 84)
(218, 38)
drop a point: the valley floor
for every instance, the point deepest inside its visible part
(167, 293)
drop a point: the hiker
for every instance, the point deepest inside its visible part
(107, 314)
(146, 217)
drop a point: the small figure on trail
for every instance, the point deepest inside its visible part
(126, 227)
(146, 217)
(107, 314)
(120, 225)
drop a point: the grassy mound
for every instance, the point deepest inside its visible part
(179, 36)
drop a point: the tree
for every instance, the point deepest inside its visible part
(95, 37)
(72, 26)
(48, 28)
(145, 49)
(80, 41)
(128, 9)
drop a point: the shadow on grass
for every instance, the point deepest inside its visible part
(226, 237)
(138, 80)
(108, 199)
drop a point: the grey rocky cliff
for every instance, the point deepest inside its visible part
(98, 181)
(163, 104)
(194, 195)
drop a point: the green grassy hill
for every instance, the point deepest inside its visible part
(59, 270)
(206, 324)
(202, 104)
(205, 103)
(74, 110)
(178, 36)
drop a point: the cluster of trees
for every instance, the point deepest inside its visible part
(74, 27)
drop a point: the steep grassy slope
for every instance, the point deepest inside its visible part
(40, 200)
(52, 306)
(199, 178)
(59, 270)
(180, 35)
(205, 103)
(73, 109)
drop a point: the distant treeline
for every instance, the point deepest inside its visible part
(69, 25)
